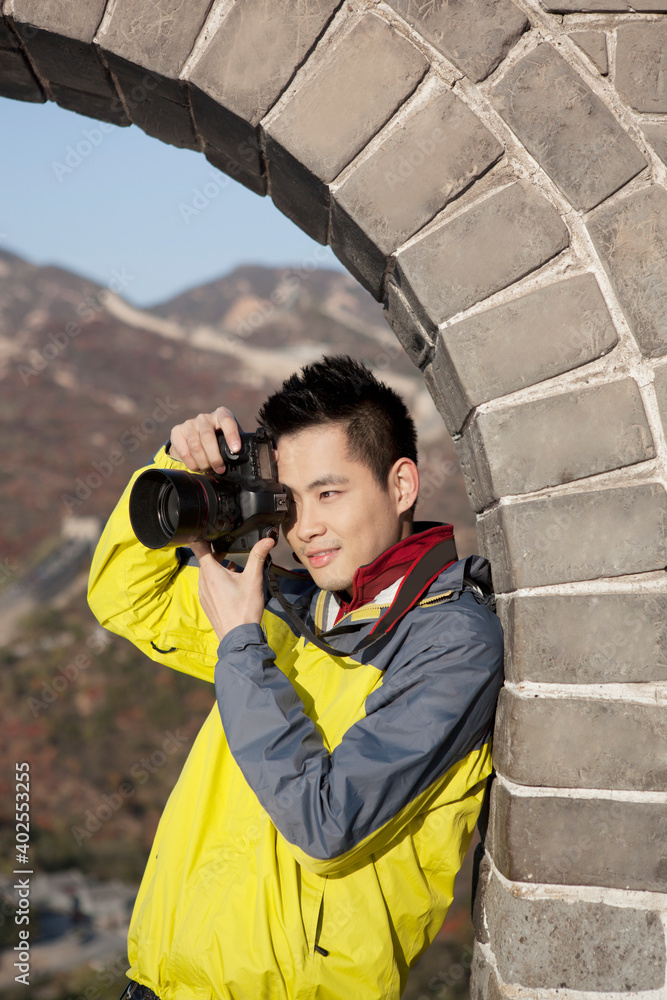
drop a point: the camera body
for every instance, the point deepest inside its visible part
(232, 511)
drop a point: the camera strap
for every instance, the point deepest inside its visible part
(418, 579)
(300, 626)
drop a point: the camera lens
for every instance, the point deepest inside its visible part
(168, 509)
(171, 507)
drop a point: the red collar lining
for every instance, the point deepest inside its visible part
(391, 565)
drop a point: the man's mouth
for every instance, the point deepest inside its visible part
(321, 558)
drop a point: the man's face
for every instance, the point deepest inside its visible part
(341, 517)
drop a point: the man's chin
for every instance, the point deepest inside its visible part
(330, 581)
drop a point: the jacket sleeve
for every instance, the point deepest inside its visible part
(149, 596)
(425, 738)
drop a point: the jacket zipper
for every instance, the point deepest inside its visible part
(370, 609)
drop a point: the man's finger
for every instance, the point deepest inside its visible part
(211, 448)
(258, 554)
(229, 426)
(201, 549)
(196, 449)
(179, 449)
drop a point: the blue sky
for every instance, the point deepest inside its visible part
(98, 199)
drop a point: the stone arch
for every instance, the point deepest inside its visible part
(495, 173)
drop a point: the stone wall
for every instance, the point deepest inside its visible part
(496, 173)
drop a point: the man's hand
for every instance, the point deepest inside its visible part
(230, 598)
(194, 442)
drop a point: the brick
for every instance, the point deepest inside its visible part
(355, 87)
(594, 44)
(77, 78)
(230, 143)
(487, 247)
(576, 536)
(661, 391)
(58, 36)
(573, 944)
(475, 35)
(580, 743)
(166, 120)
(639, 77)
(442, 383)
(424, 160)
(101, 107)
(631, 238)
(69, 62)
(357, 251)
(140, 83)
(360, 82)
(413, 337)
(524, 447)
(239, 169)
(593, 6)
(484, 983)
(566, 127)
(585, 638)
(158, 37)
(531, 338)
(298, 193)
(157, 104)
(578, 841)
(17, 80)
(60, 17)
(255, 52)
(657, 137)
(8, 39)
(483, 876)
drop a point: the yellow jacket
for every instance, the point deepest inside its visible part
(310, 845)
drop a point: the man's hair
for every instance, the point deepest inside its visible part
(340, 390)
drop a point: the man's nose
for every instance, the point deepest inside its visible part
(309, 524)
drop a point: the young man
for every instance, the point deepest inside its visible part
(310, 845)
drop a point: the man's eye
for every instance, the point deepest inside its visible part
(328, 493)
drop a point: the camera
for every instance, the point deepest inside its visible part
(232, 510)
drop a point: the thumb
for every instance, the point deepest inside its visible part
(258, 554)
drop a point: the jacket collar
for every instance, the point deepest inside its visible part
(392, 564)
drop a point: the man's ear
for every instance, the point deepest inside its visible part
(404, 480)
